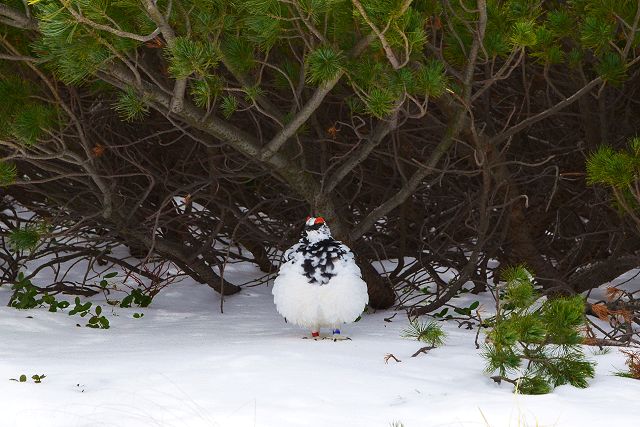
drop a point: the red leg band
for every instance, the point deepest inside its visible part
(315, 334)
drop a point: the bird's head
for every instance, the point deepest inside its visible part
(316, 229)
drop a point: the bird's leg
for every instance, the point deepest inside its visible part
(337, 337)
(315, 334)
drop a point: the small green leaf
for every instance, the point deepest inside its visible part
(23, 378)
(110, 275)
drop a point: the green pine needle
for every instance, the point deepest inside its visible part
(24, 238)
(428, 332)
(239, 54)
(8, 173)
(188, 57)
(533, 385)
(560, 22)
(519, 290)
(31, 121)
(432, 79)
(379, 102)
(597, 33)
(229, 106)
(206, 90)
(496, 44)
(611, 68)
(324, 64)
(540, 342)
(501, 358)
(130, 106)
(252, 93)
(523, 34)
(617, 169)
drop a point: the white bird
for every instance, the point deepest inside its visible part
(319, 284)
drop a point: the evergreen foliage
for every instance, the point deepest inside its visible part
(430, 332)
(130, 106)
(620, 171)
(536, 341)
(324, 64)
(8, 173)
(22, 239)
(191, 57)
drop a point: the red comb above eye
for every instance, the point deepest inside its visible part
(319, 220)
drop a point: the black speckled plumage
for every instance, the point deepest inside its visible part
(319, 259)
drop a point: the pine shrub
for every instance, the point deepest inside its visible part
(534, 343)
(619, 170)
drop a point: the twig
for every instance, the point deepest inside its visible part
(390, 356)
(423, 350)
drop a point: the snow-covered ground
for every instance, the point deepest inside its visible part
(185, 364)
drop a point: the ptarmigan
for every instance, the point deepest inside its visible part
(319, 284)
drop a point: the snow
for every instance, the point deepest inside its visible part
(186, 364)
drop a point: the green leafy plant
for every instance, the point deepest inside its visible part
(54, 304)
(136, 297)
(97, 320)
(81, 308)
(37, 379)
(25, 294)
(535, 344)
(466, 311)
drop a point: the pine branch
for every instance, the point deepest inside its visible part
(300, 119)
(17, 19)
(382, 129)
(456, 124)
(180, 86)
(546, 113)
(19, 58)
(124, 34)
(310, 107)
(391, 56)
